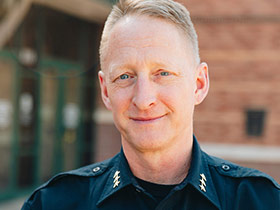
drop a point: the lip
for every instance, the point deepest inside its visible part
(146, 119)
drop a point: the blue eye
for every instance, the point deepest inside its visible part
(164, 73)
(124, 76)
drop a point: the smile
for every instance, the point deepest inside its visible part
(146, 119)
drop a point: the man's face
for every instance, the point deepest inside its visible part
(150, 82)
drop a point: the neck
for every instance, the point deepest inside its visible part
(163, 166)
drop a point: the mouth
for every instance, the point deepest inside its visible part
(146, 119)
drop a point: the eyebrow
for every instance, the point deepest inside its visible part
(115, 69)
(118, 67)
(130, 67)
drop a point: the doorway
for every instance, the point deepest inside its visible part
(45, 123)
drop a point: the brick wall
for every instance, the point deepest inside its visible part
(240, 41)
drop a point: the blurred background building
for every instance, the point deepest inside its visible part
(51, 115)
(48, 65)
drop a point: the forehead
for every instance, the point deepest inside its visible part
(145, 35)
(144, 29)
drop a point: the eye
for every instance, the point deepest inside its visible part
(124, 76)
(164, 73)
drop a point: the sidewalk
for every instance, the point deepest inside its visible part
(15, 204)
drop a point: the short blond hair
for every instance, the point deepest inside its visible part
(166, 9)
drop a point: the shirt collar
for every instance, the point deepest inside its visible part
(198, 175)
(119, 177)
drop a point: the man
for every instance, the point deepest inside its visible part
(151, 80)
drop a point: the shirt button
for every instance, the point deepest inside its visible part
(225, 167)
(96, 169)
(137, 190)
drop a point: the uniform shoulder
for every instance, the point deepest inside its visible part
(69, 186)
(229, 169)
(92, 170)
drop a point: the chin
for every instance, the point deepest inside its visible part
(147, 141)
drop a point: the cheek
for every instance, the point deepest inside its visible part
(178, 96)
(120, 99)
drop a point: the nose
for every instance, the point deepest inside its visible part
(144, 96)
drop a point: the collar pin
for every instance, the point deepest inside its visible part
(116, 179)
(203, 181)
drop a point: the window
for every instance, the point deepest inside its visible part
(255, 122)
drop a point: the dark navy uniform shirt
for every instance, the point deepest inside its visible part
(211, 183)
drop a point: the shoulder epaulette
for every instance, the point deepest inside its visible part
(227, 168)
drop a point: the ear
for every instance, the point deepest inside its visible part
(202, 83)
(103, 87)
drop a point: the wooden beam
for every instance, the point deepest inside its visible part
(91, 10)
(13, 18)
